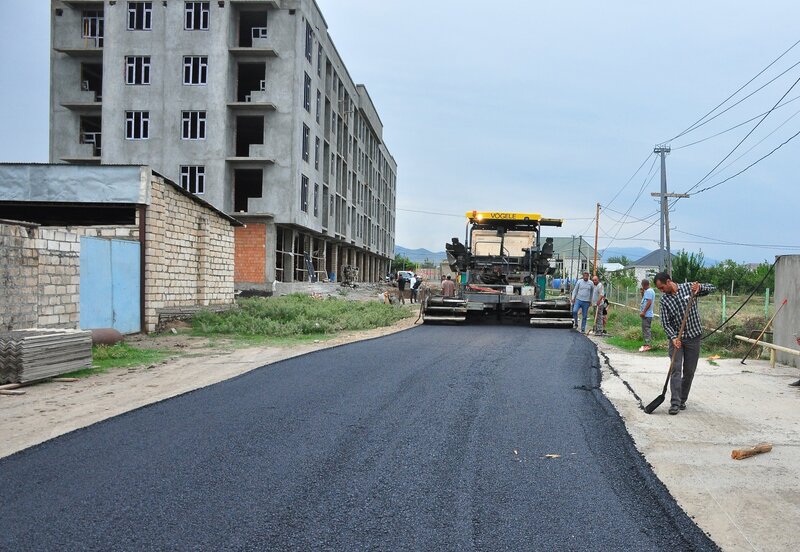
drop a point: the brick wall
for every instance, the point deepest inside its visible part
(189, 256)
(251, 251)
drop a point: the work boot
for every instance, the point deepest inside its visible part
(795, 384)
(683, 406)
(674, 409)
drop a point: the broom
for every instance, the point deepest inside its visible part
(660, 399)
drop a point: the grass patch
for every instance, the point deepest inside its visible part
(626, 328)
(121, 355)
(298, 315)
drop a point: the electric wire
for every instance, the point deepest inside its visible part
(745, 137)
(697, 124)
(630, 179)
(720, 133)
(719, 241)
(748, 166)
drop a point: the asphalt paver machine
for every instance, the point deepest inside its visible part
(501, 270)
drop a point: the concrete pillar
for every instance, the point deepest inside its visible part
(288, 257)
(335, 260)
(270, 254)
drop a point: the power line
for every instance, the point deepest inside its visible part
(745, 137)
(697, 124)
(731, 128)
(718, 241)
(631, 178)
(700, 191)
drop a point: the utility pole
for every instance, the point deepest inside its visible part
(664, 244)
(572, 258)
(596, 231)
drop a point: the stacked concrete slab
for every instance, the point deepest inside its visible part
(30, 355)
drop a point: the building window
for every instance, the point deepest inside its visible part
(316, 200)
(194, 125)
(193, 178)
(137, 70)
(196, 15)
(304, 194)
(140, 16)
(306, 138)
(307, 94)
(137, 125)
(309, 42)
(319, 60)
(319, 105)
(316, 153)
(92, 26)
(195, 70)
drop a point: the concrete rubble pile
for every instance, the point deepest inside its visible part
(30, 355)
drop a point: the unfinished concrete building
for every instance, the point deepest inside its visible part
(245, 103)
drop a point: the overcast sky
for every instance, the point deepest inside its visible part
(544, 107)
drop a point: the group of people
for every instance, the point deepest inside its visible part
(413, 283)
(586, 293)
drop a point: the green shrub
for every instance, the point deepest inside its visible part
(295, 315)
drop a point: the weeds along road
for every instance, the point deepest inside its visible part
(431, 439)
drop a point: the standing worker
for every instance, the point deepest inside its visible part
(674, 301)
(401, 287)
(448, 287)
(646, 313)
(581, 298)
(415, 288)
(599, 302)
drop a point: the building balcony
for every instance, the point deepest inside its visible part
(274, 4)
(255, 101)
(86, 152)
(254, 53)
(77, 46)
(257, 155)
(84, 101)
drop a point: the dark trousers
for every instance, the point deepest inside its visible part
(683, 369)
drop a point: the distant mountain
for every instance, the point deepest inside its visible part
(420, 255)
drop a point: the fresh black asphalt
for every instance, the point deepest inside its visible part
(430, 439)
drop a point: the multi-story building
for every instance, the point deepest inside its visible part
(246, 103)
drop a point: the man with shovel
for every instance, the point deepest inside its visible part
(674, 301)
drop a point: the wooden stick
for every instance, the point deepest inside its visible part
(65, 380)
(739, 454)
(11, 392)
(10, 386)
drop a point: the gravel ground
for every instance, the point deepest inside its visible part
(437, 438)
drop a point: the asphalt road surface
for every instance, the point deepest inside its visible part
(431, 439)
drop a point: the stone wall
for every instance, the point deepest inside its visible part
(189, 256)
(39, 277)
(19, 276)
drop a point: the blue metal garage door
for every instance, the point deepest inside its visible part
(110, 285)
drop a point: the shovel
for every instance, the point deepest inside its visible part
(660, 399)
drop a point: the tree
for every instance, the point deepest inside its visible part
(687, 267)
(621, 259)
(401, 262)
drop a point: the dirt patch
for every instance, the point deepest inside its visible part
(51, 409)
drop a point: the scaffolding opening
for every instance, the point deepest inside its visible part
(251, 78)
(249, 131)
(92, 79)
(90, 133)
(252, 24)
(246, 184)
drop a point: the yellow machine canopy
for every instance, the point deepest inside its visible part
(499, 217)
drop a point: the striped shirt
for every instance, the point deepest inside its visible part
(673, 307)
